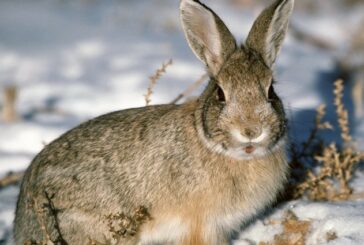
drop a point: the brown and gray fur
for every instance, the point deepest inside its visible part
(187, 164)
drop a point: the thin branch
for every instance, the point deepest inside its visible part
(54, 213)
(153, 80)
(11, 179)
(342, 113)
(9, 113)
(40, 217)
(190, 89)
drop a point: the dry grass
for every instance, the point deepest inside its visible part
(154, 79)
(330, 236)
(11, 179)
(342, 114)
(9, 113)
(190, 89)
(47, 213)
(294, 231)
(158, 74)
(122, 225)
(333, 164)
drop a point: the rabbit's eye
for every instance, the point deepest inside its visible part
(220, 95)
(271, 94)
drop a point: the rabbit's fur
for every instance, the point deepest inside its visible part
(201, 169)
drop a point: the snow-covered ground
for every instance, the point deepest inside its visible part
(86, 58)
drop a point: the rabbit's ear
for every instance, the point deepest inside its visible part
(268, 32)
(206, 33)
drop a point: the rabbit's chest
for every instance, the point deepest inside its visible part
(246, 196)
(236, 211)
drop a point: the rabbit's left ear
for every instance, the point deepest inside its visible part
(207, 35)
(268, 31)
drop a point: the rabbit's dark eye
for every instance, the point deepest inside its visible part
(271, 94)
(220, 95)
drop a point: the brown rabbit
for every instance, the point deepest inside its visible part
(200, 169)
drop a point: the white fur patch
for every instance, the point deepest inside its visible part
(166, 231)
(238, 152)
(242, 139)
(217, 148)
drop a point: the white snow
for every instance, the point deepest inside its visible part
(86, 58)
(345, 219)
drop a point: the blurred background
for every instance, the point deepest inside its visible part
(65, 61)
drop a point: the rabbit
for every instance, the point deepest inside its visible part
(200, 170)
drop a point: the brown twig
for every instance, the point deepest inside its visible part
(336, 164)
(53, 212)
(319, 125)
(127, 225)
(342, 113)
(44, 213)
(41, 220)
(9, 113)
(294, 230)
(190, 88)
(11, 179)
(153, 80)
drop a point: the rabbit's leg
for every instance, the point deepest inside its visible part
(198, 239)
(198, 236)
(79, 227)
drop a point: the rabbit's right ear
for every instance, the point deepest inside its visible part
(207, 35)
(267, 34)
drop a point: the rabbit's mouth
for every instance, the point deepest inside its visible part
(249, 149)
(240, 148)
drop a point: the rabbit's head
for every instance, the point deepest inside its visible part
(240, 114)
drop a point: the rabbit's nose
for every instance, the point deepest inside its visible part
(252, 132)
